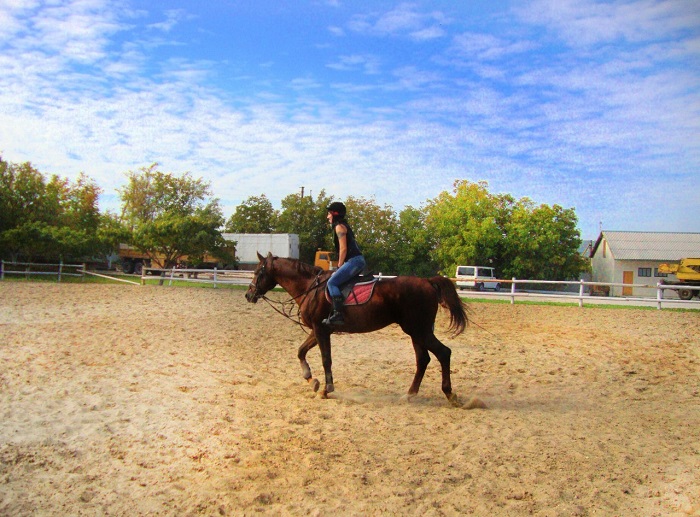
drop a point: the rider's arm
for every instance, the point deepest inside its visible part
(342, 233)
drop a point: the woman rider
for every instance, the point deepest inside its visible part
(350, 259)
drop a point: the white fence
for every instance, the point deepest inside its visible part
(224, 276)
(583, 295)
(31, 269)
(218, 276)
(214, 276)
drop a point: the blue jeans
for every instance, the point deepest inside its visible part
(348, 270)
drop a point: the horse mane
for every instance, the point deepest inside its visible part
(304, 268)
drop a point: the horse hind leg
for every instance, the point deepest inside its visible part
(422, 361)
(443, 354)
(307, 345)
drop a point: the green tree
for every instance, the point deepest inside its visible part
(375, 229)
(22, 195)
(413, 244)
(467, 226)
(255, 215)
(521, 239)
(50, 220)
(171, 216)
(542, 243)
(306, 217)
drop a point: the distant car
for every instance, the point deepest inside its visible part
(476, 277)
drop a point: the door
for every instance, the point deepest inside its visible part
(627, 278)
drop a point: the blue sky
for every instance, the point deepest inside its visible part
(585, 104)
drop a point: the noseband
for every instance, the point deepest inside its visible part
(256, 285)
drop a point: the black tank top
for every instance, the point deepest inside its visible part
(353, 248)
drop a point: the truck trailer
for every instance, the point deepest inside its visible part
(248, 245)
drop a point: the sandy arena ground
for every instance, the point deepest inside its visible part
(126, 400)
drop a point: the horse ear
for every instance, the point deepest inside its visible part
(260, 257)
(269, 254)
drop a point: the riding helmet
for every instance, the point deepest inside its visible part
(337, 208)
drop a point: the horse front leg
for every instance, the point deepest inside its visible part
(307, 345)
(323, 338)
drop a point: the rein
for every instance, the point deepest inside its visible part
(287, 306)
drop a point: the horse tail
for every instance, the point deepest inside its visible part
(449, 299)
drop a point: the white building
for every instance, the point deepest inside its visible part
(634, 258)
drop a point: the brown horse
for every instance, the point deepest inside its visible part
(409, 301)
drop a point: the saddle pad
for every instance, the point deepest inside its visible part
(358, 293)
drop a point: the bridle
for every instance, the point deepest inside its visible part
(286, 306)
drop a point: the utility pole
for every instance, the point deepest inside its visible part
(302, 192)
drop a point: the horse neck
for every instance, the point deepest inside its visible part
(292, 280)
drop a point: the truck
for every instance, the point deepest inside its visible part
(476, 277)
(326, 260)
(687, 272)
(248, 245)
(133, 260)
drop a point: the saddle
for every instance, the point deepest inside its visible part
(357, 290)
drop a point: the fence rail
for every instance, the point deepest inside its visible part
(27, 271)
(215, 276)
(582, 295)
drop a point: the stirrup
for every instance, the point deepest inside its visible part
(336, 318)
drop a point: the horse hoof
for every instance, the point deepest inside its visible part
(407, 397)
(315, 385)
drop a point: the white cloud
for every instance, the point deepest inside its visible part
(586, 22)
(366, 63)
(172, 18)
(336, 31)
(403, 20)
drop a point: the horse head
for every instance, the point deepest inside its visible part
(263, 279)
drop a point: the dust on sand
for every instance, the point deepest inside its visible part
(126, 400)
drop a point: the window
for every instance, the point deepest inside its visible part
(659, 275)
(644, 272)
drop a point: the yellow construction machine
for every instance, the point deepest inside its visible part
(326, 260)
(687, 272)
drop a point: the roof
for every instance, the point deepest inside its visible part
(664, 246)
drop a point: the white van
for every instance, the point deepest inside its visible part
(476, 277)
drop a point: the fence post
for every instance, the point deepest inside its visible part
(60, 269)
(172, 274)
(84, 269)
(659, 295)
(580, 294)
(2, 270)
(512, 292)
(214, 277)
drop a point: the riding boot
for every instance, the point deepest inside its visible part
(336, 317)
